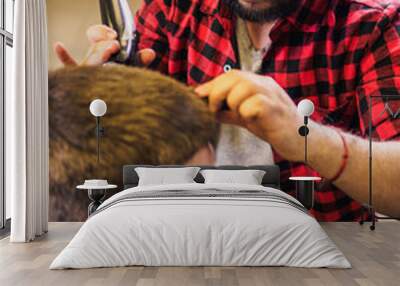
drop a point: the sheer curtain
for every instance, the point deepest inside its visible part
(27, 124)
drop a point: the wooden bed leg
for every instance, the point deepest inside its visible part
(373, 219)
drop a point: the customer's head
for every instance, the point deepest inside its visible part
(150, 119)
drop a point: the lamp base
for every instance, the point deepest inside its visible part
(96, 197)
(305, 193)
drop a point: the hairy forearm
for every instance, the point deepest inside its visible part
(325, 156)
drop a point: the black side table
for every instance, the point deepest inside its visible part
(96, 195)
(305, 190)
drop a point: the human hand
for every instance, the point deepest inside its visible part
(259, 104)
(103, 44)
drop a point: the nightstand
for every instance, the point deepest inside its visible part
(305, 190)
(96, 194)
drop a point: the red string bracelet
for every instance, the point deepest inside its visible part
(345, 158)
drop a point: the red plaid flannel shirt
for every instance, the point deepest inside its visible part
(334, 52)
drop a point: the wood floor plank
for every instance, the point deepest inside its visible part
(375, 258)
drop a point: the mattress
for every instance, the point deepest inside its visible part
(201, 225)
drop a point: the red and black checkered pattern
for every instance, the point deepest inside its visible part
(334, 52)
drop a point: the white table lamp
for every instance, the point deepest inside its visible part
(98, 108)
(306, 109)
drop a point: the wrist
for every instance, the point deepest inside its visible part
(286, 140)
(325, 149)
(345, 156)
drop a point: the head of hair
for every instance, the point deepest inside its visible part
(151, 119)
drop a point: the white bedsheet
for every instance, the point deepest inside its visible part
(200, 231)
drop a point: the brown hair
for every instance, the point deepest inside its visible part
(150, 119)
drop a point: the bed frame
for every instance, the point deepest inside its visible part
(270, 179)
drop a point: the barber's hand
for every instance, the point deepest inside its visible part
(103, 44)
(259, 104)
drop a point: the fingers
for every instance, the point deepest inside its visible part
(101, 52)
(145, 57)
(98, 33)
(103, 46)
(203, 90)
(107, 49)
(252, 100)
(239, 93)
(217, 90)
(63, 55)
(219, 83)
(253, 107)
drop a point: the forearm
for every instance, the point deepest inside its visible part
(263, 107)
(325, 155)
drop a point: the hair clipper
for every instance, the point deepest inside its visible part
(117, 15)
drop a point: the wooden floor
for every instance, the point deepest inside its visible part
(375, 257)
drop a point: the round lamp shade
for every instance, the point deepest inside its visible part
(305, 107)
(98, 107)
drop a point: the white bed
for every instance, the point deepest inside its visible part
(239, 229)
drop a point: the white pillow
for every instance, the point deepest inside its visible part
(164, 176)
(248, 177)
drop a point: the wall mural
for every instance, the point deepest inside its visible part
(153, 119)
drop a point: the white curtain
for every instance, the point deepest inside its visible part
(27, 124)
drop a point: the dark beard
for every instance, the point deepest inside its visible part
(279, 8)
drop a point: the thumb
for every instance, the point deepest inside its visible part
(63, 55)
(145, 57)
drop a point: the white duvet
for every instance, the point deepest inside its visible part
(200, 231)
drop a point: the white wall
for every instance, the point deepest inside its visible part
(9, 12)
(9, 71)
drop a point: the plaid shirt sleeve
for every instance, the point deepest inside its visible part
(380, 76)
(151, 23)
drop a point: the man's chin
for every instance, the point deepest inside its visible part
(262, 11)
(253, 11)
(254, 5)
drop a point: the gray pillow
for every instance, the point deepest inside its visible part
(164, 176)
(247, 177)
